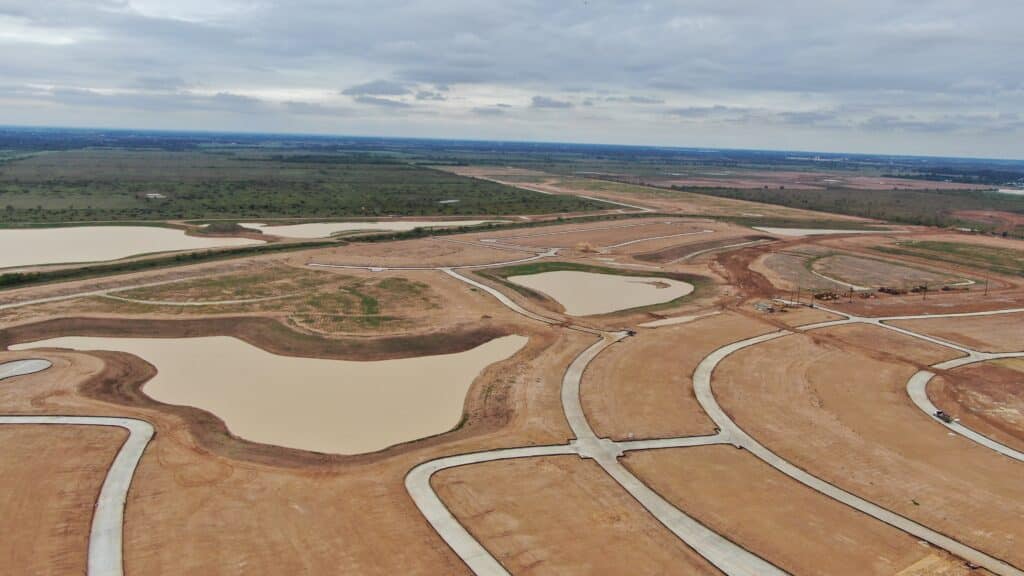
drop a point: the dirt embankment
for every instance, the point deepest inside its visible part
(123, 376)
(986, 398)
(265, 333)
(675, 252)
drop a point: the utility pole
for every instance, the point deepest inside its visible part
(986, 285)
(924, 291)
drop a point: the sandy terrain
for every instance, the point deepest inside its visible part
(751, 179)
(812, 397)
(204, 495)
(792, 526)
(51, 475)
(1001, 333)
(657, 198)
(872, 272)
(563, 516)
(420, 252)
(987, 398)
(641, 387)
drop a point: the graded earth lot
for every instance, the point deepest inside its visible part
(1000, 333)
(987, 397)
(642, 388)
(842, 390)
(794, 527)
(315, 408)
(563, 516)
(51, 475)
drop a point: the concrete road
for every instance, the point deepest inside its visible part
(105, 536)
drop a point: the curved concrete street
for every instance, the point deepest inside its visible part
(105, 534)
(724, 554)
(917, 389)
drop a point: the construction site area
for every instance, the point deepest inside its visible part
(654, 388)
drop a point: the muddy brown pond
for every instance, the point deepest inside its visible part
(333, 406)
(587, 293)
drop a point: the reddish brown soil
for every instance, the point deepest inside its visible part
(834, 403)
(203, 496)
(750, 179)
(682, 249)
(1000, 333)
(987, 398)
(641, 387)
(794, 527)
(562, 515)
(51, 478)
(1003, 221)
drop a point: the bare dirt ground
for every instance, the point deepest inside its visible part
(678, 250)
(1003, 221)
(807, 181)
(565, 516)
(873, 272)
(419, 252)
(834, 403)
(657, 198)
(322, 302)
(641, 387)
(1001, 333)
(203, 489)
(794, 527)
(51, 475)
(987, 398)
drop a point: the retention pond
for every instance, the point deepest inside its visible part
(332, 406)
(589, 293)
(38, 246)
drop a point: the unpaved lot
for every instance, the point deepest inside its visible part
(51, 478)
(999, 333)
(834, 402)
(642, 388)
(563, 515)
(987, 398)
(794, 527)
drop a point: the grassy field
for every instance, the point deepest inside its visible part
(925, 207)
(89, 185)
(999, 260)
(314, 301)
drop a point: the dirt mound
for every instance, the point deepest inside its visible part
(675, 252)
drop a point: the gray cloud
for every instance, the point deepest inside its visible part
(932, 76)
(429, 95)
(384, 102)
(378, 88)
(488, 110)
(546, 102)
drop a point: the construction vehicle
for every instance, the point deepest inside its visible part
(826, 295)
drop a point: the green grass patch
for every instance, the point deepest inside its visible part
(1000, 260)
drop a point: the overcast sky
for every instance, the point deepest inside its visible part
(911, 76)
